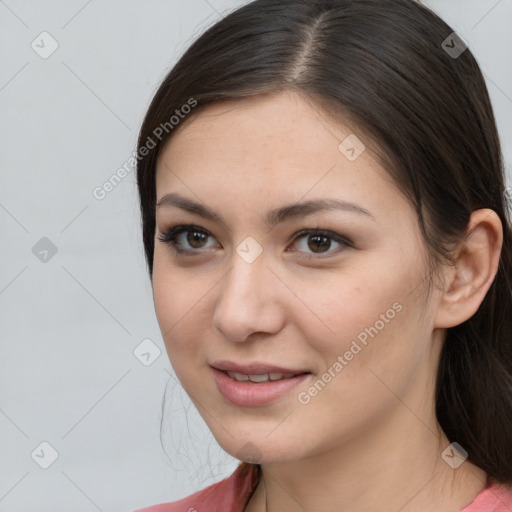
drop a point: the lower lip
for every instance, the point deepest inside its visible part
(251, 394)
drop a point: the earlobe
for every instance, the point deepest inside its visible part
(469, 279)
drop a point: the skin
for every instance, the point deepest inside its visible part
(369, 440)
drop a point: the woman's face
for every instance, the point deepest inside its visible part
(345, 308)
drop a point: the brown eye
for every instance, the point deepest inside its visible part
(196, 239)
(193, 242)
(319, 242)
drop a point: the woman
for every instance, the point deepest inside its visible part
(326, 231)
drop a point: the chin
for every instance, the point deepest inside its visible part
(261, 448)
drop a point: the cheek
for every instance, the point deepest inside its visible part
(165, 298)
(350, 307)
(379, 340)
(369, 320)
(176, 318)
(177, 301)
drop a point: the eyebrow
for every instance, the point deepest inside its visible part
(273, 217)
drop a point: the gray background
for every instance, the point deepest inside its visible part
(70, 321)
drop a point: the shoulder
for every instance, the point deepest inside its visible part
(496, 497)
(228, 495)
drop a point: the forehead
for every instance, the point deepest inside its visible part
(268, 128)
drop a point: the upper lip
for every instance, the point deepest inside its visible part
(254, 368)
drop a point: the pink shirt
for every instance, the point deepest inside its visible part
(233, 493)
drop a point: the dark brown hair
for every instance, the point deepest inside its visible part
(381, 66)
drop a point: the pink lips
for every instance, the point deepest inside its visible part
(251, 394)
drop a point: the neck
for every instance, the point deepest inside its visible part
(394, 465)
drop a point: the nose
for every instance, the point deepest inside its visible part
(249, 301)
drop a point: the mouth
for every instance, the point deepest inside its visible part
(255, 384)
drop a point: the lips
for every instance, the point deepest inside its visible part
(256, 384)
(256, 394)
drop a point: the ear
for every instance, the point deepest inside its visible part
(469, 279)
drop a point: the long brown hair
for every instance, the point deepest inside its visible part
(384, 65)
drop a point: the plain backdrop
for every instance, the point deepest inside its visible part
(83, 368)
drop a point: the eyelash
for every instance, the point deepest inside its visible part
(170, 237)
